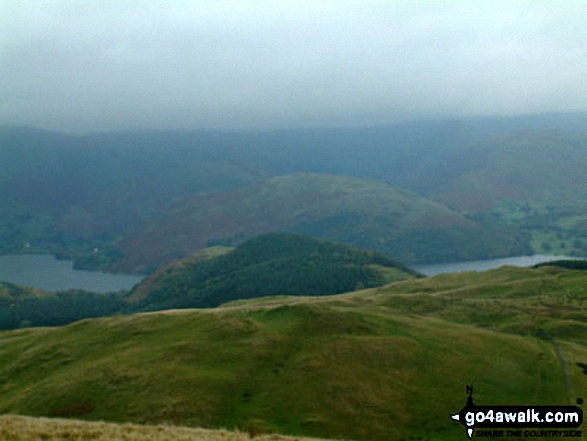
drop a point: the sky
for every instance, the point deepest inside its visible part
(97, 65)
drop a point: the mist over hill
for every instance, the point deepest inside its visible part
(365, 214)
(73, 195)
(536, 165)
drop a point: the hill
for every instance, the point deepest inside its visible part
(533, 180)
(79, 196)
(268, 265)
(387, 363)
(537, 166)
(569, 264)
(365, 214)
(72, 195)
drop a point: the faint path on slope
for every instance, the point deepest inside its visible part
(563, 362)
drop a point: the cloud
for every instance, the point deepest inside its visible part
(101, 65)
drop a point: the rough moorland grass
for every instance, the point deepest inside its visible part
(382, 364)
(21, 428)
(547, 302)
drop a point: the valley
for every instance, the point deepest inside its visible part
(277, 292)
(279, 221)
(427, 192)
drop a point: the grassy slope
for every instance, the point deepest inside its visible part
(267, 265)
(273, 264)
(20, 428)
(386, 363)
(365, 214)
(547, 302)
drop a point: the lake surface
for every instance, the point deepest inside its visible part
(49, 274)
(483, 265)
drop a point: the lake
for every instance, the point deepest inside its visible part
(47, 273)
(483, 265)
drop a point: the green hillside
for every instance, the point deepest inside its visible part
(365, 214)
(268, 265)
(547, 302)
(388, 363)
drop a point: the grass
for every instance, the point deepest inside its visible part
(547, 303)
(387, 363)
(21, 428)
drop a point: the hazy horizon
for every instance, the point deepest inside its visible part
(571, 119)
(128, 65)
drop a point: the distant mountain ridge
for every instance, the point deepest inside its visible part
(73, 194)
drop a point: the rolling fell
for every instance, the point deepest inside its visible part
(387, 363)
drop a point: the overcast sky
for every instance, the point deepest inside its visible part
(86, 65)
